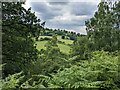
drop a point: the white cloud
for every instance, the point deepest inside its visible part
(27, 4)
(70, 14)
(95, 1)
(82, 30)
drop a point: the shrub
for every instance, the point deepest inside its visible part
(100, 72)
(12, 82)
(63, 37)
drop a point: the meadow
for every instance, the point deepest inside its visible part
(65, 48)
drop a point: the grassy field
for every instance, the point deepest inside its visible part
(40, 44)
(59, 38)
(66, 41)
(45, 36)
(63, 48)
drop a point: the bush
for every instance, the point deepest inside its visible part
(41, 39)
(63, 37)
(12, 82)
(100, 72)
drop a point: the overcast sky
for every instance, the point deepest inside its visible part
(64, 14)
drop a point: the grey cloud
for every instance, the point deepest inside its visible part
(83, 8)
(64, 1)
(58, 3)
(39, 6)
(73, 22)
(66, 24)
(48, 13)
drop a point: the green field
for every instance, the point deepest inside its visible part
(63, 48)
(66, 41)
(40, 44)
(44, 37)
(59, 38)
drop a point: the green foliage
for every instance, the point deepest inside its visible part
(50, 60)
(52, 47)
(36, 81)
(103, 29)
(63, 37)
(82, 47)
(98, 72)
(85, 68)
(19, 26)
(12, 82)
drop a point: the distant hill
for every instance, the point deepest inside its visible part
(63, 33)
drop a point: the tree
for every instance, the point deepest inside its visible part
(81, 48)
(101, 29)
(19, 26)
(63, 37)
(50, 59)
(78, 34)
(52, 48)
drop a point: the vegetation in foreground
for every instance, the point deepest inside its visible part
(93, 62)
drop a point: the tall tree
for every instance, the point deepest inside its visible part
(19, 26)
(101, 29)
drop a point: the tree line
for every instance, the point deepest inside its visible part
(70, 35)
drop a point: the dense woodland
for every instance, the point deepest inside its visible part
(92, 63)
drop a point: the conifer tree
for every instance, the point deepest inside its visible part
(19, 26)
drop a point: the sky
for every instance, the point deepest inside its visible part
(68, 15)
